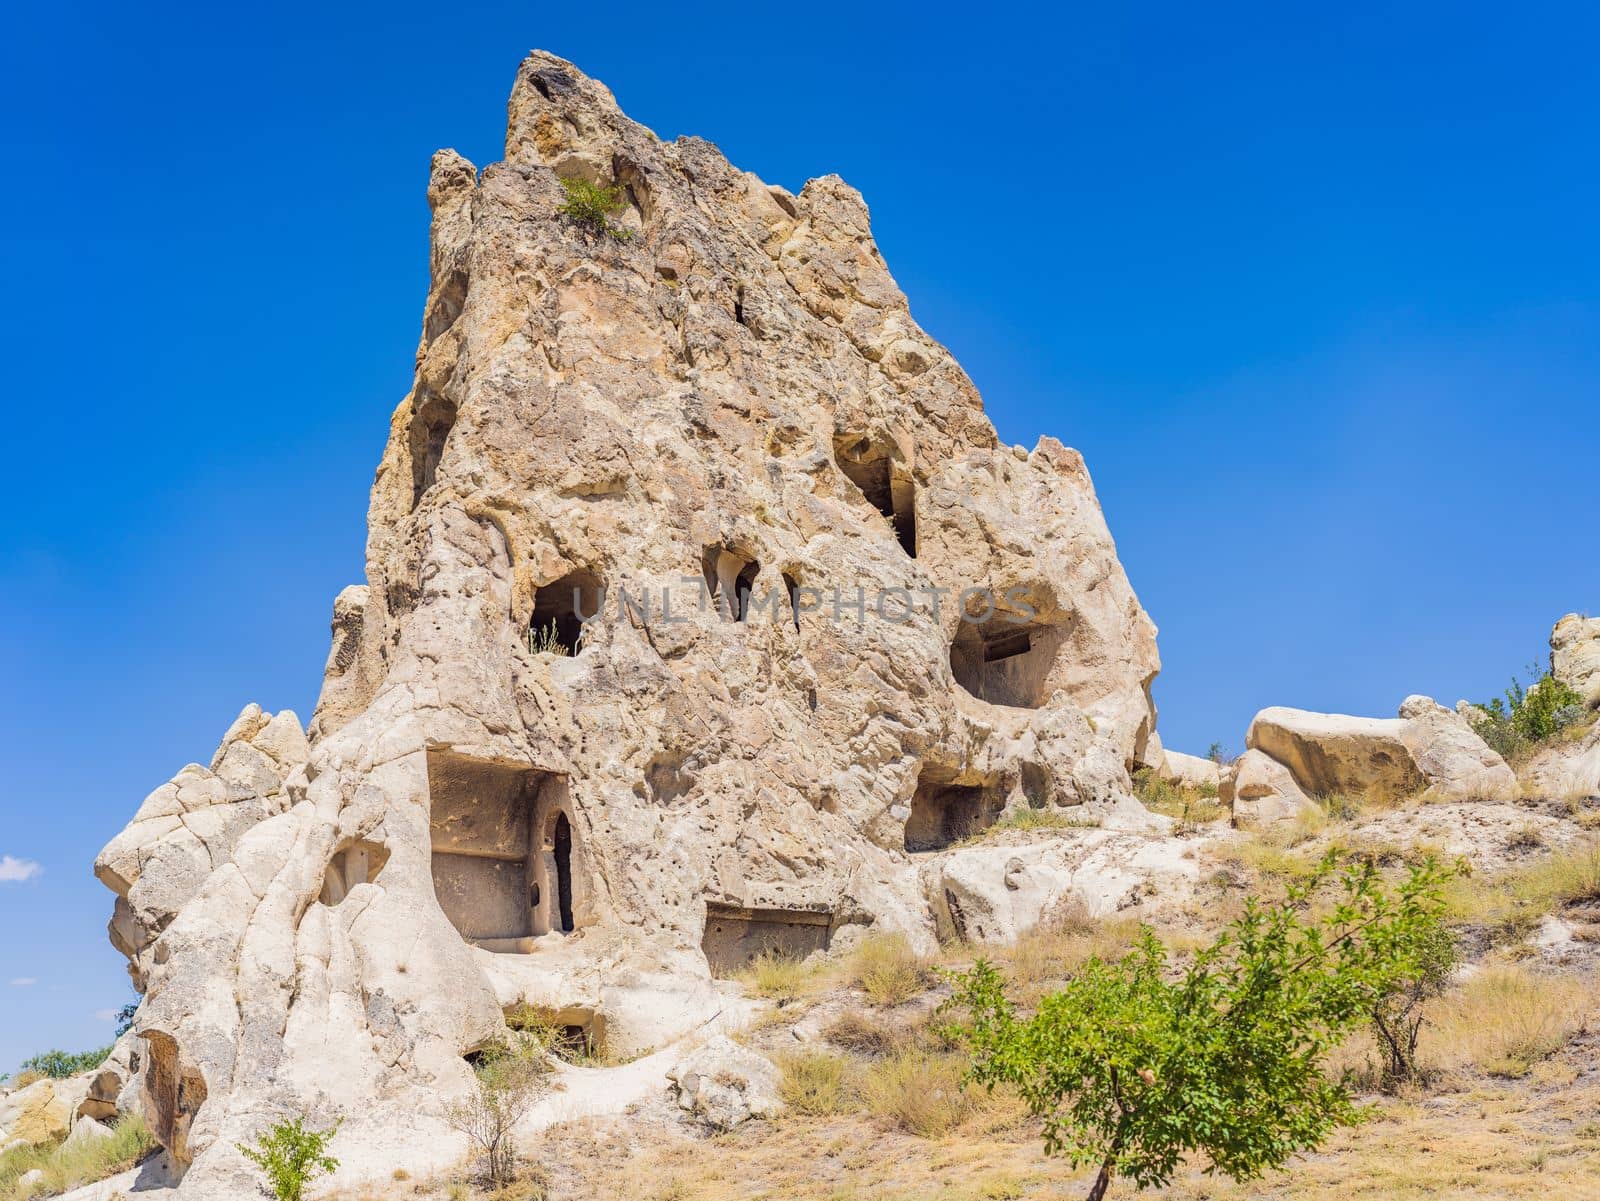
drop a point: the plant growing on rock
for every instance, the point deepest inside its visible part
(1133, 1065)
(1526, 717)
(291, 1157)
(509, 1084)
(592, 206)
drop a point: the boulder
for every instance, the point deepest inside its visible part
(725, 1085)
(1427, 747)
(1258, 789)
(1191, 770)
(86, 1130)
(41, 1112)
(1575, 655)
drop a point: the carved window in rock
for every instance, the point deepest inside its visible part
(1006, 662)
(560, 610)
(944, 812)
(885, 482)
(730, 579)
(508, 866)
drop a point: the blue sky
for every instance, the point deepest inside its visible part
(1316, 295)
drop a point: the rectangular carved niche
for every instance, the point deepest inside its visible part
(492, 872)
(735, 935)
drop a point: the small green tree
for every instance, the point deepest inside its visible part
(1397, 1018)
(592, 205)
(291, 1157)
(1133, 1065)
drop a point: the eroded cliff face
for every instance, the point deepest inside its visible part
(833, 625)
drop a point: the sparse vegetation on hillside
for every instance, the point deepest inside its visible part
(510, 1083)
(85, 1162)
(1524, 718)
(1189, 805)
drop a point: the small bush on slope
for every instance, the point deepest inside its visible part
(291, 1157)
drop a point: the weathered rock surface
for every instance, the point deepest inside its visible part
(500, 800)
(41, 1112)
(725, 1085)
(1426, 747)
(995, 892)
(1190, 770)
(1575, 655)
(1258, 789)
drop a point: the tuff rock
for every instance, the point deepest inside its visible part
(1575, 655)
(1427, 747)
(702, 605)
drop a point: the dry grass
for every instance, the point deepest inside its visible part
(778, 977)
(83, 1163)
(1509, 904)
(888, 970)
(864, 1035)
(1189, 805)
(817, 1083)
(1504, 1020)
(922, 1092)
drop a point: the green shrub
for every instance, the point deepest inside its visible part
(1525, 717)
(1133, 1064)
(591, 206)
(291, 1157)
(1397, 1017)
(58, 1065)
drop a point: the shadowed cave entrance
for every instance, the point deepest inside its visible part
(943, 812)
(886, 484)
(1006, 662)
(507, 865)
(561, 608)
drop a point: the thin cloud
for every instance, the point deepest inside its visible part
(24, 982)
(14, 870)
(106, 1015)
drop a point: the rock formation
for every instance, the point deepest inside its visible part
(1575, 656)
(702, 604)
(1427, 748)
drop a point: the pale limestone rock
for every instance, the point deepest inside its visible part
(1190, 770)
(87, 1130)
(992, 893)
(724, 1085)
(41, 1112)
(1575, 655)
(736, 399)
(1426, 748)
(1258, 789)
(1456, 763)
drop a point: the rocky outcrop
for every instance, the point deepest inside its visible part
(723, 1085)
(1575, 656)
(1258, 789)
(701, 602)
(992, 893)
(1428, 747)
(41, 1112)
